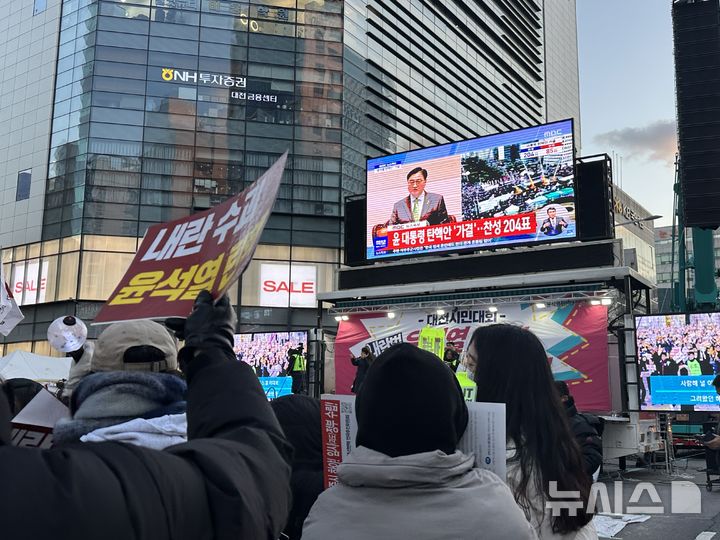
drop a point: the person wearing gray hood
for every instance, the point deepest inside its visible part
(406, 478)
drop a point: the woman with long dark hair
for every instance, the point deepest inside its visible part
(543, 457)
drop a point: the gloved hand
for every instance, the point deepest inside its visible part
(208, 325)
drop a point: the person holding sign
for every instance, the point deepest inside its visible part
(230, 480)
(544, 461)
(406, 478)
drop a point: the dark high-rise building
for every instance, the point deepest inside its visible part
(118, 115)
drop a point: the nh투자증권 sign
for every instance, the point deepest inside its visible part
(238, 85)
(206, 251)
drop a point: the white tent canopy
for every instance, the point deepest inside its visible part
(25, 365)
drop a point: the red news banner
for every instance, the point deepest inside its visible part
(206, 251)
(465, 231)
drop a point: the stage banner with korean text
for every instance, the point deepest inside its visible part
(574, 336)
(205, 251)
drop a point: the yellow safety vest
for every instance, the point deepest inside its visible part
(299, 364)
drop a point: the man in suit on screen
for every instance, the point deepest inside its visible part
(553, 225)
(419, 205)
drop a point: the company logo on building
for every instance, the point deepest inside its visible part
(628, 213)
(210, 79)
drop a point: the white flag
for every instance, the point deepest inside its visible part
(10, 314)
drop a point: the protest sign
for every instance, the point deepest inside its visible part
(206, 251)
(33, 425)
(484, 436)
(10, 314)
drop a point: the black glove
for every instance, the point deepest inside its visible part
(209, 325)
(77, 354)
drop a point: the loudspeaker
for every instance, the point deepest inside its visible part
(696, 31)
(355, 230)
(595, 215)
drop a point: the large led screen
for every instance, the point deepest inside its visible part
(267, 353)
(678, 360)
(510, 188)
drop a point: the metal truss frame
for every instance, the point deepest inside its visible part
(547, 295)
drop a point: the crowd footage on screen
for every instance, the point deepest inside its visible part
(268, 354)
(688, 349)
(493, 188)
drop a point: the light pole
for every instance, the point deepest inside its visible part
(634, 221)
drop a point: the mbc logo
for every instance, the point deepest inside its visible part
(685, 498)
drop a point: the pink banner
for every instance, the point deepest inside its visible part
(574, 336)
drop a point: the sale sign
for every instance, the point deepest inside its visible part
(206, 251)
(282, 284)
(574, 337)
(29, 282)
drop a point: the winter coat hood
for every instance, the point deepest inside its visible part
(365, 467)
(427, 496)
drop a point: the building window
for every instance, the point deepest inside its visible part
(39, 6)
(23, 185)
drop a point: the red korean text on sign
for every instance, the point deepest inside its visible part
(332, 445)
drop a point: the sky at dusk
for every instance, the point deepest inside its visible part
(627, 94)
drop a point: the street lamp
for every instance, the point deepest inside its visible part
(634, 221)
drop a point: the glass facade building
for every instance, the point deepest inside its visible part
(160, 108)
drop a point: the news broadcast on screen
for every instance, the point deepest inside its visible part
(511, 188)
(678, 359)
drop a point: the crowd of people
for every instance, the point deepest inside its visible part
(167, 444)
(679, 349)
(493, 188)
(269, 354)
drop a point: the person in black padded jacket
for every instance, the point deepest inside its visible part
(586, 429)
(230, 480)
(299, 417)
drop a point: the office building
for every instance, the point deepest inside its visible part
(118, 115)
(637, 233)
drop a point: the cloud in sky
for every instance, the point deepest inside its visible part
(655, 142)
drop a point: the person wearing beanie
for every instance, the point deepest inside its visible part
(586, 428)
(406, 478)
(229, 480)
(132, 392)
(299, 417)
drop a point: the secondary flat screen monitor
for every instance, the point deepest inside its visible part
(678, 360)
(506, 189)
(267, 354)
